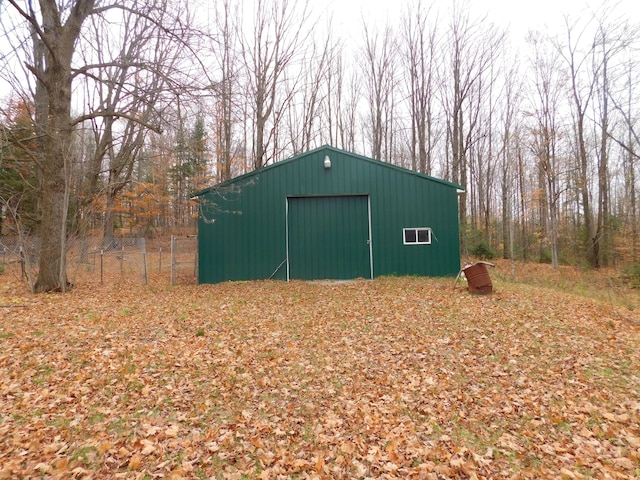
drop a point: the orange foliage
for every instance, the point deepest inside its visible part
(142, 204)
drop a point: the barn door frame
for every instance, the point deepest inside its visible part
(369, 240)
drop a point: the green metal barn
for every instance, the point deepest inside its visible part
(328, 214)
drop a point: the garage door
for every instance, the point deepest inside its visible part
(328, 237)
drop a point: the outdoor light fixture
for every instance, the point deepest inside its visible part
(327, 162)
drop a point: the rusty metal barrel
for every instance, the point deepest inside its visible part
(478, 278)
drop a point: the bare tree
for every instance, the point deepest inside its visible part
(485, 105)
(588, 48)
(508, 150)
(612, 38)
(582, 92)
(545, 133)
(309, 92)
(56, 33)
(226, 89)
(136, 83)
(378, 67)
(420, 44)
(602, 238)
(277, 36)
(471, 50)
(629, 139)
(343, 95)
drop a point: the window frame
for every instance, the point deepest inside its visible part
(416, 231)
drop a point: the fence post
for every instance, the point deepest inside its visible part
(101, 266)
(144, 259)
(195, 265)
(172, 259)
(22, 264)
(122, 263)
(160, 261)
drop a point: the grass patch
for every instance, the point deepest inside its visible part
(42, 372)
(86, 455)
(96, 418)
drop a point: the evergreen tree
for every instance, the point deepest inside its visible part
(17, 172)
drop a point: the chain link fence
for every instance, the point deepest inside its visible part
(107, 260)
(184, 259)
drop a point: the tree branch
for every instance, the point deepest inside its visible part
(116, 115)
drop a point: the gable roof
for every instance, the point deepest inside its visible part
(326, 148)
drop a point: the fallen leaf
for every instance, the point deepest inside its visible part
(135, 462)
(149, 447)
(625, 463)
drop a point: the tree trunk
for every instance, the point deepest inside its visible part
(602, 234)
(109, 214)
(52, 273)
(53, 70)
(630, 181)
(506, 221)
(523, 203)
(592, 246)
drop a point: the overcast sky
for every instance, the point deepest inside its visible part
(519, 16)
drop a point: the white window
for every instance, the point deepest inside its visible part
(416, 236)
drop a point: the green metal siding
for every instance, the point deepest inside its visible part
(328, 237)
(243, 223)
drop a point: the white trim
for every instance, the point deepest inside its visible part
(416, 229)
(370, 241)
(286, 222)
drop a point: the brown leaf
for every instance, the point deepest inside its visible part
(149, 447)
(348, 447)
(625, 463)
(399, 377)
(104, 446)
(123, 452)
(319, 464)
(135, 462)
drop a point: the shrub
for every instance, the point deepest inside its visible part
(483, 251)
(631, 274)
(545, 256)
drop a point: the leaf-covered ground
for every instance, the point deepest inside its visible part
(394, 378)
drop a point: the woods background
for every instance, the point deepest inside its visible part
(115, 114)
